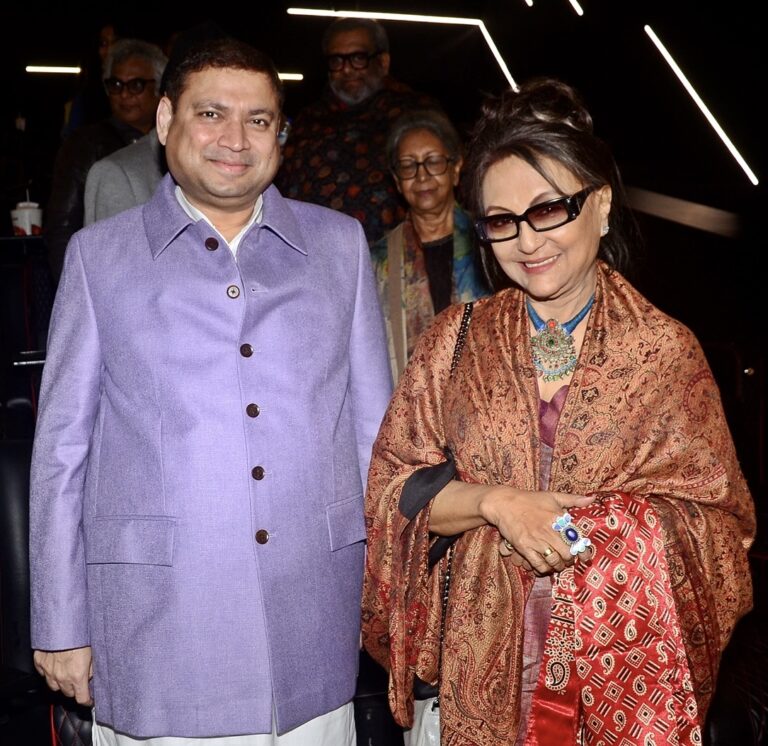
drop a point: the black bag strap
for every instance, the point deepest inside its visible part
(449, 541)
(443, 613)
(441, 544)
(461, 337)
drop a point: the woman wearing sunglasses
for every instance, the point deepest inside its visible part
(579, 451)
(428, 261)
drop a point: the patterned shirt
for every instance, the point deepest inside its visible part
(335, 156)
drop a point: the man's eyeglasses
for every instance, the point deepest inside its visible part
(134, 86)
(434, 165)
(502, 226)
(356, 60)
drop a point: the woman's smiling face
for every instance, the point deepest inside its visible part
(555, 265)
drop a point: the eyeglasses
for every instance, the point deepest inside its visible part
(357, 60)
(434, 165)
(502, 226)
(134, 86)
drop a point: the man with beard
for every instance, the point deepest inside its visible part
(335, 154)
(215, 377)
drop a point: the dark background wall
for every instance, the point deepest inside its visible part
(662, 143)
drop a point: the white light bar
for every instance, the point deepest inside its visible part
(290, 76)
(575, 5)
(414, 18)
(702, 106)
(52, 69)
(459, 21)
(682, 211)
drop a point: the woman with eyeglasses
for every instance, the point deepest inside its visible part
(576, 449)
(428, 261)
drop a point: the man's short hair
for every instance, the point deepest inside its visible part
(221, 54)
(125, 49)
(341, 25)
(184, 41)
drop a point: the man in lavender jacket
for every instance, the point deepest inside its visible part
(215, 378)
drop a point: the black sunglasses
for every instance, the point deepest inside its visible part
(134, 86)
(357, 60)
(503, 226)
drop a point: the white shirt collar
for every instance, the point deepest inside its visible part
(195, 214)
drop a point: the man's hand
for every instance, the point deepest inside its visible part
(67, 671)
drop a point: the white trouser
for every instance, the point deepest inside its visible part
(426, 724)
(336, 728)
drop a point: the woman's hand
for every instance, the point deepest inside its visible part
(524, 520)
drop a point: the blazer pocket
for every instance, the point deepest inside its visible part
(138, 540)
(346, 522)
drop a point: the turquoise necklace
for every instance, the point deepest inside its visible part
(554, 351)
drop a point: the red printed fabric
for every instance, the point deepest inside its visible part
(635, 637)
(619, 646)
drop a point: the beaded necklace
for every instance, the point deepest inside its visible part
(554, 351)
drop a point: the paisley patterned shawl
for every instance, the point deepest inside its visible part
(467, 284)
(644, 426)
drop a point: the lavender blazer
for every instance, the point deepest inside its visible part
(202, 445)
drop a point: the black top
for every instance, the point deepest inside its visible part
(438, 260)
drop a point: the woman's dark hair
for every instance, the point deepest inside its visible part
(547, 120)
(220, 53)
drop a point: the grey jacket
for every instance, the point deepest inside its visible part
(126, 178)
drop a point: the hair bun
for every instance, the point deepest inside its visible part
(541, 100)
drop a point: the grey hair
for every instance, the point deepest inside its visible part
(433, 121)
(342, 25)
(124, 49)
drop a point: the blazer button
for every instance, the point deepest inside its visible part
(246, 350)
(262, 536)
(257, 473)
(233, 291)
(211, 244)
(252, 410)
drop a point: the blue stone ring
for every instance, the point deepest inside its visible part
(571, 534)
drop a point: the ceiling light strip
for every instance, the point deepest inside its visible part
(414, 18)
(59, 69)
(702, 106)
(575, 5)
(290, 76)
(684, 212)
(499, 59)
(384, 16)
